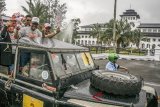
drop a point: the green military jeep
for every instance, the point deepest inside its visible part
(64, 75)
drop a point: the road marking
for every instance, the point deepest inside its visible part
(152, 84)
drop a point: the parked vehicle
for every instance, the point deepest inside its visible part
(72, 78)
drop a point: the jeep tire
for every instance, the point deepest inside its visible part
(117, 83)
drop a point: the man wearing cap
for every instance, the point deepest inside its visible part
(7, 52)
(30, 31)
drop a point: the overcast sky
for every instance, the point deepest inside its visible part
(99, 11)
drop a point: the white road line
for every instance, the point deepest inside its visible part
(152, 84)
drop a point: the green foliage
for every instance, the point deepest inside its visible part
(2, 6)
(97, 33)
(36, 9)
(45, 10)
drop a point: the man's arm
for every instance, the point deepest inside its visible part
(53, 34)
(122, 67)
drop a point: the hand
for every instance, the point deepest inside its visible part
(18, 27)
(125, 69)
(31, 36)
(9, 23)
(44, 85)
(58, 30)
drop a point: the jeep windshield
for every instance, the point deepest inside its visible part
(71, 63)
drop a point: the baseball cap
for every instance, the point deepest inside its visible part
(47, 25)
(35, 20)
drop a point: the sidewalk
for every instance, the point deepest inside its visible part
(127, 57)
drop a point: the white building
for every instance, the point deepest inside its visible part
(85, 39)
(151, 33)
(132, 17)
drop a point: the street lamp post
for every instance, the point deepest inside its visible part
(30, 1)
(114, 26)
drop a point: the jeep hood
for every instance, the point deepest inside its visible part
(83, 91)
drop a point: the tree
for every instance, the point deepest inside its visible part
(57, 11)
(76, 23)
(2, 6)
(36, 9)
(47, 10)
(98, 33)
(136, 37)
(123, 33)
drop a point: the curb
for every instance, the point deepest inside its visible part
(137, 59)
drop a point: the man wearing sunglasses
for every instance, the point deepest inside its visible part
(28, 20)
(112, 65)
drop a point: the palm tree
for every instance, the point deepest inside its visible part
(98, 33)
(123, 33)
(37, 9)
(136, 37)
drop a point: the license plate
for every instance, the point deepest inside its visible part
(29, 101)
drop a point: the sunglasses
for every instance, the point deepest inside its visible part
(48, 28)
(35, 24)
(28, 20)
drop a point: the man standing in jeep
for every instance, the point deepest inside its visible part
(31, 32)
(112, 65)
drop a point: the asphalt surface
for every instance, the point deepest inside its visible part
(148, 70)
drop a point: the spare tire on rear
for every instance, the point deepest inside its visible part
(118, 83)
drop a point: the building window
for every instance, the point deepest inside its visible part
(148, 40)
(89, 42)
(158, 40)
(148, 46)
(82, 36)
(155, 30)
(82, 42)
(143, 46)
(154, 40)
(153, 46)
(86, 36)
(159, 30)
(133, 18)
(144, 30)
(93, 42)
(78, 41)
(149, 30)
(85, 42)
(128, 18)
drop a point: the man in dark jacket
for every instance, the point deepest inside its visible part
(6, 52)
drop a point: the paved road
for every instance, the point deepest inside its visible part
(149, 70)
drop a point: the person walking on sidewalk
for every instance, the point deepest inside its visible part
(112, 65)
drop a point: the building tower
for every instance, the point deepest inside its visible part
(132, 17)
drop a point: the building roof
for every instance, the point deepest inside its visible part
(130, 12)
(92, 25)
(151, 34)
(84, 32)
(149, 25)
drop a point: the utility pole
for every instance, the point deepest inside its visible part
(30, 1)
(49, 10)
(114, 26)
